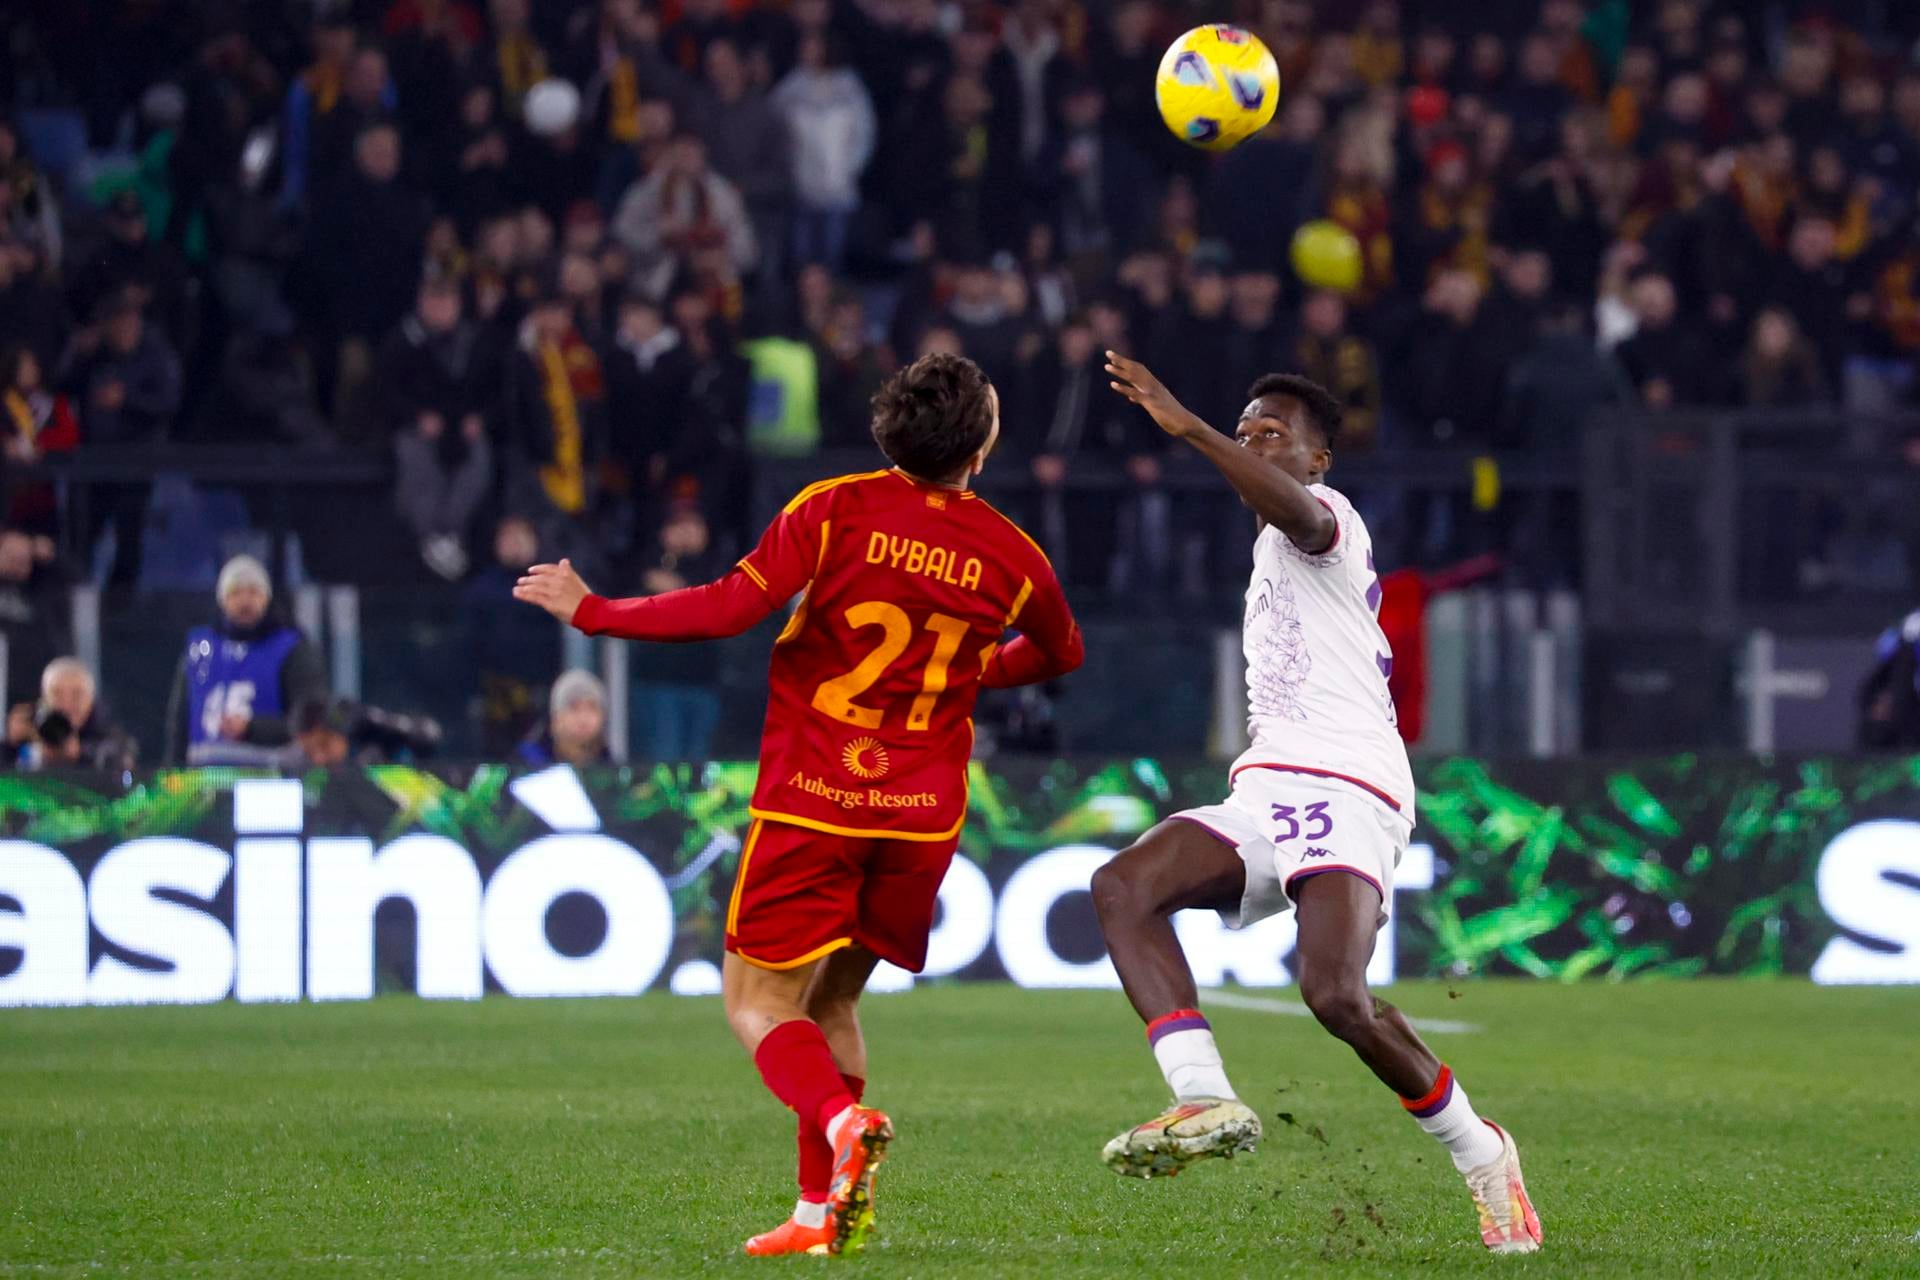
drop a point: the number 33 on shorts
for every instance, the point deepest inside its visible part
(1311, 821)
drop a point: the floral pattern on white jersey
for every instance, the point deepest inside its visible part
(1280, 660)
(1341, 509)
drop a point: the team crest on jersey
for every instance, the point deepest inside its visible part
(938, 501)
(1191, 69)
(866, 759)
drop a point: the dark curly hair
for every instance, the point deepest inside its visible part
(1323, 409)
(933, 415)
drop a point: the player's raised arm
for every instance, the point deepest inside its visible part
(763, 581)
(1275, 496)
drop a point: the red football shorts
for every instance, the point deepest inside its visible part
(800, 894)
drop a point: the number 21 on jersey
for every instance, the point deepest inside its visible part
(836, 697)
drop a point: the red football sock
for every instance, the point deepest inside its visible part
(798, 1069)
(816, 1153)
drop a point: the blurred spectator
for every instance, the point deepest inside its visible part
(125, 376)
(127, 383)
(575, 730)
(1781, 369)
(556, 411)
(240, 678)
(1815, 287)
(435, 388)
(516, 57)
(37, 422)
(229, 90)
(679, 208)
(1556, 385)
(1343, 362)
(1255, 342)
(68, 726)
(32, 312)
(29, 208)
(676, 702)
(513, 650)
(1452, 375)
(130, 264)
(711, 447)
(34, 611)
(851, 368)
(1668, 359)
(328, 104)
(554, 164)
(829, 114)
(749, 145)
(366, 246)
(649, 384)
(1262, 190)
(470, 163)
(1103, 183)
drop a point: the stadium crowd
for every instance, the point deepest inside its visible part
(575, 267)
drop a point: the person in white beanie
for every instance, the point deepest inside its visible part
(241, 677)
(575, 731)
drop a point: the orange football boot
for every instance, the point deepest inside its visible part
(791, 1237)
(862, 1146)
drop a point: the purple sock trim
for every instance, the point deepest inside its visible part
(1179, 1020)
(1445, 1092)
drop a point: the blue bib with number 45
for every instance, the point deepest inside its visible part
(227, 677)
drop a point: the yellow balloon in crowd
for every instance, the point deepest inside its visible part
(1327, 256)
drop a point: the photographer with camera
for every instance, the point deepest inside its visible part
(68, 727)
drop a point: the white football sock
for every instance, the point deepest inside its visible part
(1183, 1046)
(810, 1213)
(1447, 1115)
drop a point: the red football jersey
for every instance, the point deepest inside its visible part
(910, 588)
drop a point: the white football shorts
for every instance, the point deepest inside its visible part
(1288, 826)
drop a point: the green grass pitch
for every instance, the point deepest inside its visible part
(1688, 1128)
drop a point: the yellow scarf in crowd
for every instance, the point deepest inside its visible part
(623, 105)
(523, 64)
(323, 82)
(564, 479)
(22, 415)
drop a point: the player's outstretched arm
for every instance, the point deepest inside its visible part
(727, 607)
(1275, 496)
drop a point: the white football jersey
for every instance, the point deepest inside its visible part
(1317, 662)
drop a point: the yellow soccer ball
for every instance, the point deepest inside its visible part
(1217, 87)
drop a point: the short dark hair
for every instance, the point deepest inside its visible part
(933, 415)
(333, 714)
(1322, 408)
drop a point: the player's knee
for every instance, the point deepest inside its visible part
(1343, 1008)
(1114, 896)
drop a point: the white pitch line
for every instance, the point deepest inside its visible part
(1262, 1004)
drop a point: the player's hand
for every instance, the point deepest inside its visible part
(233, 726)
(1137, 383)
(554, 587)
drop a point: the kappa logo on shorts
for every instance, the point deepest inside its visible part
(866, 759)
(1315, 851)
